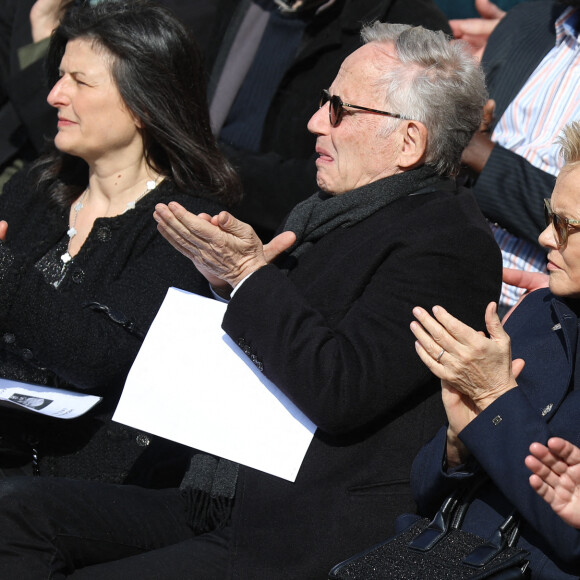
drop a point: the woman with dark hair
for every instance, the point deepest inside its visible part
(83, 269)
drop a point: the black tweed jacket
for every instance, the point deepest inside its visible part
(85, 334)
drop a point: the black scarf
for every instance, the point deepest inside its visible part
(208, 488)
(322, 213)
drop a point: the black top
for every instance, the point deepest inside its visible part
(86, 333)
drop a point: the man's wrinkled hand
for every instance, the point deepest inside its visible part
(224, 249)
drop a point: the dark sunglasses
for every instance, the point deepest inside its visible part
(559, 223)
(336, 108)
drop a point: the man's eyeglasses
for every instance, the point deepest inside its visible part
(559, 223)
(336, 108)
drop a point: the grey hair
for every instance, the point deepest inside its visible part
(570, 142)
(437, 82)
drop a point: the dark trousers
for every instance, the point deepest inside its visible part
(59, 528)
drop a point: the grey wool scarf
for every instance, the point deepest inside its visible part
(322, 213)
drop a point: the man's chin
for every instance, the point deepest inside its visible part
(322, 185)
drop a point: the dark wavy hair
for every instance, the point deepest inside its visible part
(159, 73)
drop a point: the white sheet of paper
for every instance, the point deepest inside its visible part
(192, 384)
(52, 401)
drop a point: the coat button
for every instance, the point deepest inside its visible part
(142, 440)
(104, 234)
(26, 354)
(9, 338)
(78, 276)
(257, 362)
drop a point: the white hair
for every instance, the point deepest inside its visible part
(437, 82)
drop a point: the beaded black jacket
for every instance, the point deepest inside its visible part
(85, 333)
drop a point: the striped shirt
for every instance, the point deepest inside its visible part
(531, 125)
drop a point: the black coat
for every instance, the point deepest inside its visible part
(283, 173)
(334, 336)
(26, 119)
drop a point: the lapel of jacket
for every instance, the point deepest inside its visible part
(569, 328)
(224, 35)
(544, 333)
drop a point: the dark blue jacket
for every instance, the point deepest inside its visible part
(546, 403)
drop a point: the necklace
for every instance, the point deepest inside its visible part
(72, 232)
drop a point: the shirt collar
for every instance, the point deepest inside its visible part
(567, 25)
(296, 6)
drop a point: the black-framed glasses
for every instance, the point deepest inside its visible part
(559, 223)
(336, 108)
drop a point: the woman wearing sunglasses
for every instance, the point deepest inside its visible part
(501, 401)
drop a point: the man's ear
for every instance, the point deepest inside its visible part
(414, 144)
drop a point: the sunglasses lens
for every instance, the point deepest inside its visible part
(560, 229)
(324, 98)
(559, 225)
(335, 110)
(556, 222)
